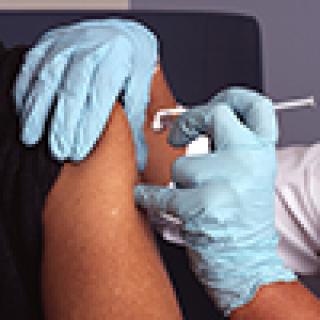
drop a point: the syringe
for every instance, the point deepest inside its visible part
(202, 144)
(290, 104)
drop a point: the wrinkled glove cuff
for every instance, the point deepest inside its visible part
(232, 274)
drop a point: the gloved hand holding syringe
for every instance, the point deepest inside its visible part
(169, 226)
(222, 205)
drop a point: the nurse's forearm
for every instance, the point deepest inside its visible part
(280, 301)
(100, 260)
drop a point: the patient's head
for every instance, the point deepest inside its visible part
(161, 155)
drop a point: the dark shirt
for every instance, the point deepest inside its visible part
(26, 176)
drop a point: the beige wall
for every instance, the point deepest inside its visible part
(64, 4)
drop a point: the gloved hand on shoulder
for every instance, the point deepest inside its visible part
(77, 72)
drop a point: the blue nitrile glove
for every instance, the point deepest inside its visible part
(225, 199)
(85, 65)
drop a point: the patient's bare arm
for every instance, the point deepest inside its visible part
(100, 260)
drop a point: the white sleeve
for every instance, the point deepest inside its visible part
(297, 207)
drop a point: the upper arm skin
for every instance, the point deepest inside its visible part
(100, 260)
(161, 155)
(280, 301)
